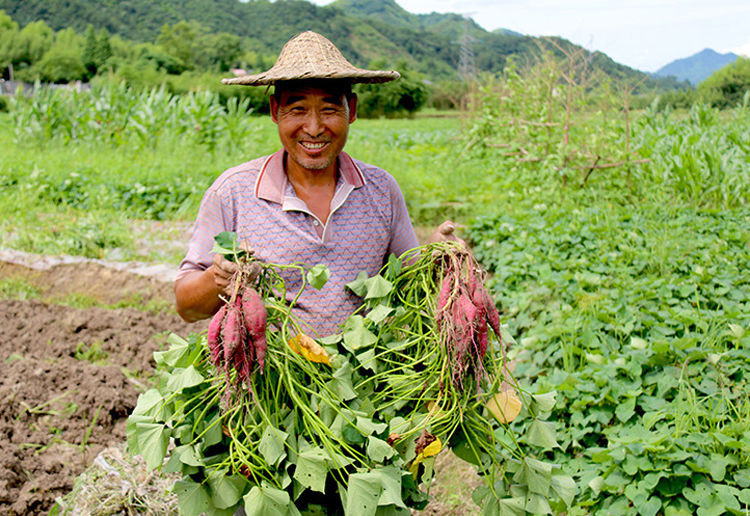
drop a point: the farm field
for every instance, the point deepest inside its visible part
(627, 290)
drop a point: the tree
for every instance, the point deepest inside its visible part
(62, 62)
(727, 86)
(178, 42)
(89, 51)
(393, 99)
(8, 35)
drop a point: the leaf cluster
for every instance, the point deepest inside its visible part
(343, 437)
(638, 317)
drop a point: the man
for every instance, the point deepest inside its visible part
(310, 202)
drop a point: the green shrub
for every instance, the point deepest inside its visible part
(727, 86)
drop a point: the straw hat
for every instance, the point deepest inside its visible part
(311, 56)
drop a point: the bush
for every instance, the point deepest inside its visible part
(394, 99)
(727, 86)
(60, 66)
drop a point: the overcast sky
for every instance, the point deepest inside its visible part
(644, 34)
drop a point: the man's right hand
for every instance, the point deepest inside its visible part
(224, 271)
(199, 294)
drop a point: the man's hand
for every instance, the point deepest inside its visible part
(224, 270)
(445, 232)
(199, 294)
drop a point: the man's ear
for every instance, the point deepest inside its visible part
(274, 105)
(352, 101)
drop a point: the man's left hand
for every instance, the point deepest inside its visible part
(445, 232)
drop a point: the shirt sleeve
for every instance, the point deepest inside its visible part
(403, 237)
(213, 218)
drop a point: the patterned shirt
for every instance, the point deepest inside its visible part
(368, 221)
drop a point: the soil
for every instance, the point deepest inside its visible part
(71, 376)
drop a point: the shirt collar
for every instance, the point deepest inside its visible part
(272, 180)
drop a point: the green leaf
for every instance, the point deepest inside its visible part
(367, 360)
(227, 244)
(717, 467)
(352, 435)
(650, 507)
(272, 445)
(356, 336)
(342, 381)
(213, 435)
(358, 285)
(625, 410)
(187, 455)
(132, 432)
(192, 498)
(268, 501)
(515, 506)
(178, 351)
(394, 265)
(544, 402)
(311, 469)
(183, 379)
(379, 450)
(390, 482)
(565, 487)
(536, 475)
(226, 490)
(596, 484)
(367, 426)
(149, 403)
(541, 433)
(737, 331)
(362, 494)
(318, 276)
(330, 340)
(537, 504)
(153, 439)
(377, 287)
(368, 490)
(379, 313)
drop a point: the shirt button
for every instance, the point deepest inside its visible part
(316, 223)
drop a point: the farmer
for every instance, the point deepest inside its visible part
(310, 202)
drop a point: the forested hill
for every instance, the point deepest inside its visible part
(364, 30)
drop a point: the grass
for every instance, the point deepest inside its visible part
(17, 288)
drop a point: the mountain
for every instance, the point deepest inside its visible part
(364, 30)
(696, 67)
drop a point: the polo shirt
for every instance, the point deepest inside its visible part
(368, 221)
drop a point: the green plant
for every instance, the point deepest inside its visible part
(638, 317)
(365, 429)
(91, 353)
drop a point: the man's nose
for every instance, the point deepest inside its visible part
(313, 123)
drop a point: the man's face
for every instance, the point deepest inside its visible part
(313, 124)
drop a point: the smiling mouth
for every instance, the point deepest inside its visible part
(313, 145)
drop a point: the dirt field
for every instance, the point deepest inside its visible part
(72, 375)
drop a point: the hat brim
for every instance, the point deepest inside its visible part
(355, 76)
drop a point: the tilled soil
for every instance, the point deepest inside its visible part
(70, 378)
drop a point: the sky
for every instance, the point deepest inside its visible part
(643, 34)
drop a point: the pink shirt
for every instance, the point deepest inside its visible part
(368, 221)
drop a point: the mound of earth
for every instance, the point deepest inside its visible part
(71, 378)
